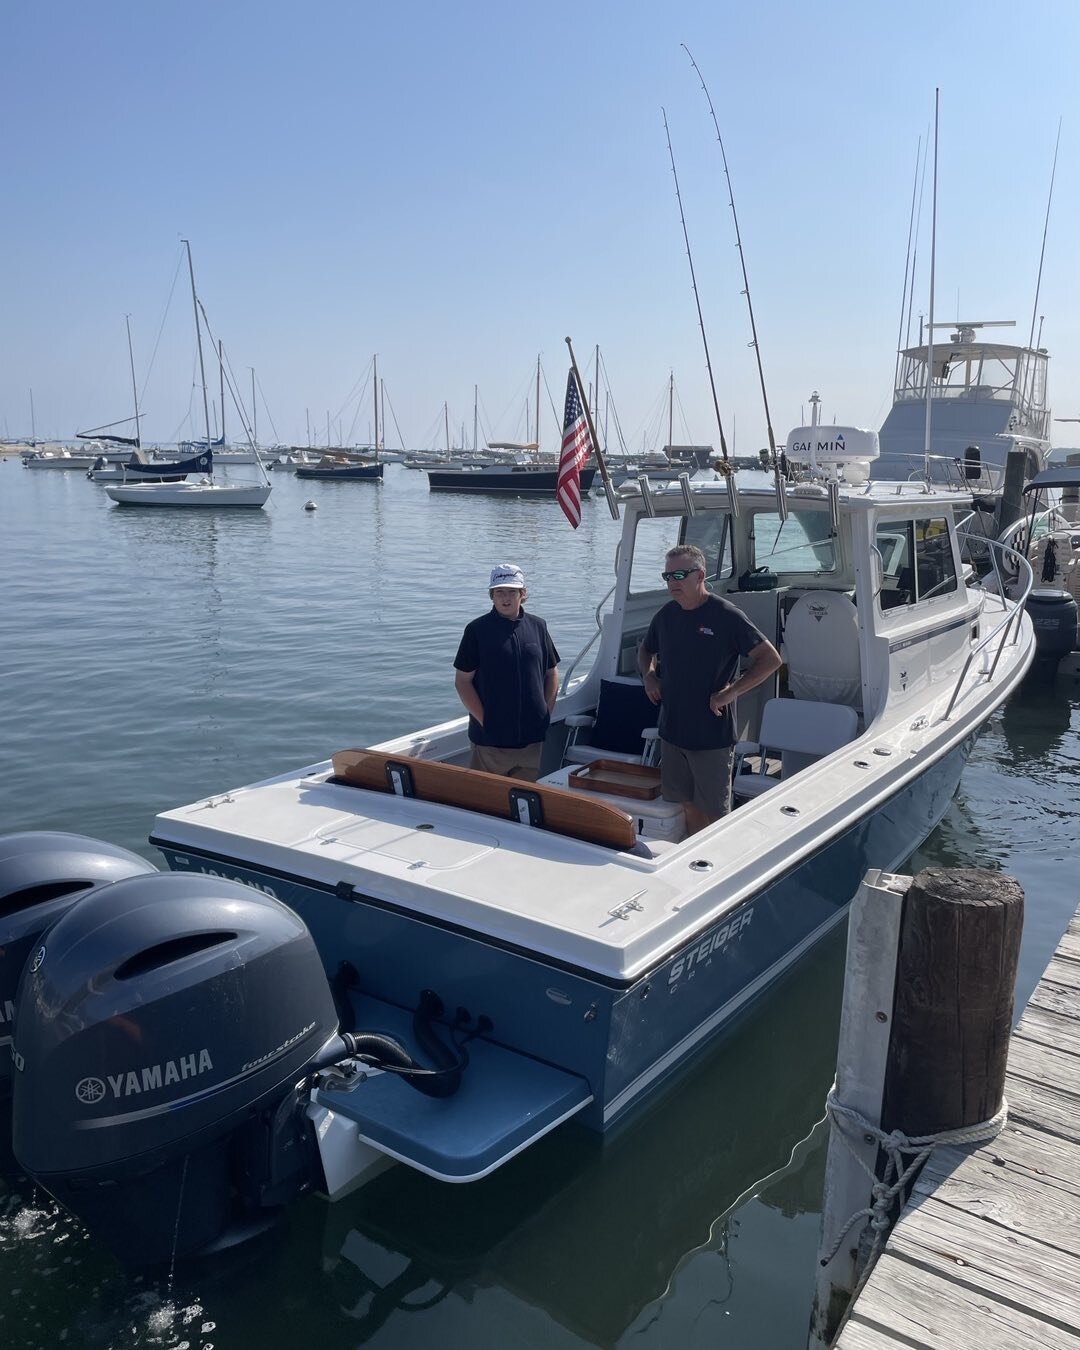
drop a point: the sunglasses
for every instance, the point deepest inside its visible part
(680, 574)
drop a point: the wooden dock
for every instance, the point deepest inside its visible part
(987, 1253)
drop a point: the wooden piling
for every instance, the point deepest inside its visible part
(956, 971)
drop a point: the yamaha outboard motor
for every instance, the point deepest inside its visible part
(165, 1030)
(42, 874)
(1053, 615)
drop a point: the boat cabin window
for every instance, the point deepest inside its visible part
(804, 543)
(933, 571)
(709, 530)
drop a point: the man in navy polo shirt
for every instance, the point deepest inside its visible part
(689, 663)
(507, 678)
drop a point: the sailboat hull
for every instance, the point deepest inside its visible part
(362, 472)
(203, 495)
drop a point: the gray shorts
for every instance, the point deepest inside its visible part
(702, 777)
(520, 762)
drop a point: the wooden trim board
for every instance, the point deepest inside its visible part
(564, 812)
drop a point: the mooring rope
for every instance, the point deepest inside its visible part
(855, 1128)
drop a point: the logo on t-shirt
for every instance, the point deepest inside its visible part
(705, 631)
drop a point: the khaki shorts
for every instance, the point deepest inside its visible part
(702, 777)
(514, 762)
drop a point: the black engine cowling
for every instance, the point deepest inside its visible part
(163, 1033)
(43, 873)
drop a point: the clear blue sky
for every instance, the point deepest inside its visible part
(458, 186)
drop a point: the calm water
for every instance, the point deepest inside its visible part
(150, 658)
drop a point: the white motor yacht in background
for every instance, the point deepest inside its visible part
(987, 399)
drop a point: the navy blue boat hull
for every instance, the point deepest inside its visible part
(510, 482)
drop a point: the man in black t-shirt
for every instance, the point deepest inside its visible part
(689, 663)
(507, 678)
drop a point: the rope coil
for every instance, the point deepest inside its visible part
(852, 1127)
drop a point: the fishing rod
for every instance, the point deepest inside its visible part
(726, 467)
(781, 501)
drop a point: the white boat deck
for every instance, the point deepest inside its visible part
(615, 913)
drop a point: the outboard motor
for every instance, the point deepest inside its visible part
(164, 1031)
(1054, 618)
(43, 873)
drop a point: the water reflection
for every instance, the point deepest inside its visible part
(1034, 724)
(594, 1234)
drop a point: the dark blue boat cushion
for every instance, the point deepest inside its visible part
(623, 712)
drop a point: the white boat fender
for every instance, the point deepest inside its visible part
(310, 506)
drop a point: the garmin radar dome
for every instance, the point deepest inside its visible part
(844, 453)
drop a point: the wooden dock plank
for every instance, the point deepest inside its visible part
(1017, 1203)
(908, 1305)
(1018, 1148)
(1065, 974)
(1048, 1028)
(1056, 999)
(1069, 949)
(1045, 1106)
(974, 1252)
(1036, 1062)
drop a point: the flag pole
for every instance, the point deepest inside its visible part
(609, 491)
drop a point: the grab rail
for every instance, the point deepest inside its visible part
(1025, 581)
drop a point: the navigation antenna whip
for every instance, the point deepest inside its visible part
(726, 467)
(781, 501)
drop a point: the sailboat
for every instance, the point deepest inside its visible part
(531, 478)
(345, 467)
(207, 491)
(139, 466)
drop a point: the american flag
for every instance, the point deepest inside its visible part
(576, 445)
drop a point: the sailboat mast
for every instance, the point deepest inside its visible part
(475, 397)
(446, 426)
(538, 402)
(375, 386)
(134, 388)
(198, 342)
(221, 377)
(670, 409)
(33, 424)
(254, 411)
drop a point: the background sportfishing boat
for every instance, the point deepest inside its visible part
(438, 966)
(988, 398)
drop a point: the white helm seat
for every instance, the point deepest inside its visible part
(821, 648)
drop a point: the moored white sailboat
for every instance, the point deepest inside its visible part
(207, 491)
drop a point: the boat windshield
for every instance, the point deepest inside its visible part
(802, 543)
(710, 531)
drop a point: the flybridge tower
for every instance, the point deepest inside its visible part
(985, 393)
